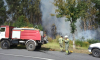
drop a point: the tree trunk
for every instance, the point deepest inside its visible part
(90, 27)
(84, 24)
(74, 41)
(31, 17)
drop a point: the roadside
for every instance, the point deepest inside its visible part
(55, 47)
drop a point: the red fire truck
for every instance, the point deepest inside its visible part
(10, 36)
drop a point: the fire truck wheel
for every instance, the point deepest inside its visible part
(5, 44)
(30, 46)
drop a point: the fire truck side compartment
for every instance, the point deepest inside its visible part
(30, 34)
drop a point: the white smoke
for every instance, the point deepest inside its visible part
(63, 27)
(47, 9)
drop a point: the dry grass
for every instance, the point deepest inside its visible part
(52, 46)
(79, 50)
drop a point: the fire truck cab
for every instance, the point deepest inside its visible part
(10, 36)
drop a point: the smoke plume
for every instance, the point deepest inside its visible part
(63, 27)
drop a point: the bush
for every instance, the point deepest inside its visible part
(85, 44)
(91, 41)
(10, 23)
(30, 25)
(40, 27)
(22, 21)
(71, 42)
(57, 37)
(81, 43)
(50, 39)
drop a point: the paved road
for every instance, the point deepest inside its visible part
(23, 54)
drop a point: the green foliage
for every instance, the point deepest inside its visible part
(70, 9)
(78, 43)
(30, 25)
(28, 8)
(39, 26)
(97, 6)
(89, 16)
(97, 2)
(91, 41)
(22, 22)
(52, 15)
(81, 43)
(85, 43)
(50, 39)
(3, 15)
(57, 38)
(70, 42)
(73, 27)
(7, 23)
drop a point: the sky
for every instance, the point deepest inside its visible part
(5, 4)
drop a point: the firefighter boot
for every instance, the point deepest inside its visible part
(67, 52)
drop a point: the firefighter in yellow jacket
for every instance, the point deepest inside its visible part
(61, 42)
(66, 44)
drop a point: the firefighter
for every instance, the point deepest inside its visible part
(61, 43)
(66, 44)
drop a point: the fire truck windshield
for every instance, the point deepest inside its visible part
(2, 29)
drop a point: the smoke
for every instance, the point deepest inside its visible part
(48, 8)
(63, 27)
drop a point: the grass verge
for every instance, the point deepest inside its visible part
(55, 47)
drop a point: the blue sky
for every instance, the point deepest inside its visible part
(5, 4)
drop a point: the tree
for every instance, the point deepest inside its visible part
(2, 12)
(72, 10)
(22, 22)
(97, 6)
(28, 8)
(53, 31)
(89, 16)
(34, 11)
(13, 8)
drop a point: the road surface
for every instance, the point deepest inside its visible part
(23, 54)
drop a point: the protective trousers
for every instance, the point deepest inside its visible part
(66, 47)
(61, 46)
